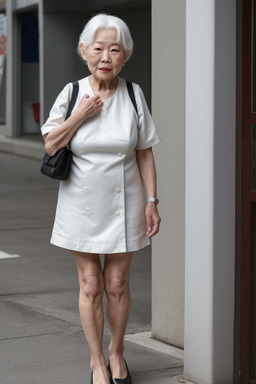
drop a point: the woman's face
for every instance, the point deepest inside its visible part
(105, 57)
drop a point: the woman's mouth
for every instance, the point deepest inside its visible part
(104, 69)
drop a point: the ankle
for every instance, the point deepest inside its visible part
(97, 362)
(116, 352)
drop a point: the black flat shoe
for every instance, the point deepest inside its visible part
(126, 380)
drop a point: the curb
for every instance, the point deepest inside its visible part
(23, 146)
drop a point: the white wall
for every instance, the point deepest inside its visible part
(210, 190)
(168, 108)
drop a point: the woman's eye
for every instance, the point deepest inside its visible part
(115, 50)
(97, 49)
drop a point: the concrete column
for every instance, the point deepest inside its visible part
(168, 109)
(210, 190)
(10, 100)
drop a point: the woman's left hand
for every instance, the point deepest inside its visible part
(152, 219)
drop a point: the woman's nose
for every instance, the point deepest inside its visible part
(105, 56)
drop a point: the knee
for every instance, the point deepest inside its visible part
(116, 286)
(91, 286)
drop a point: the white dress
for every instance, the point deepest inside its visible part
(101, 207)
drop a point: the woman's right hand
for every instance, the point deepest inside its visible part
(89, 106)
(60, 136)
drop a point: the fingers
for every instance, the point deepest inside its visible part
(95, 101)
(90, 106)
(153, 230)
(152, 222)
(91, 100)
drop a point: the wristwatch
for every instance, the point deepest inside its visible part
(153, 199)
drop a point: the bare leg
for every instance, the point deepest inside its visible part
(117, 276)
(91, 311)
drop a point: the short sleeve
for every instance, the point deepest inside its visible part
(147, 134)
(59, 110)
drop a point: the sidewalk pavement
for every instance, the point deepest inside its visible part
(41, 338)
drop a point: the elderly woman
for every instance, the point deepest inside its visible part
(101, 207)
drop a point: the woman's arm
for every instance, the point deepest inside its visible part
(60, 136)
(146, 163)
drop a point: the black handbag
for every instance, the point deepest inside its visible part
(58, 166)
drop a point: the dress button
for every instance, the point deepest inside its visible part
(118, 213)
(119, 154)
(86, 189)
(118, 190)
(87, 209)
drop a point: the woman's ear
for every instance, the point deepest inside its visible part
(83, 51)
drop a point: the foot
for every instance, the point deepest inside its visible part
(100, 375)
(118, 367)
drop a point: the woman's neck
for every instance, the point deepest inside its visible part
(104, 89)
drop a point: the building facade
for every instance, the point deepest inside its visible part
(194, 60)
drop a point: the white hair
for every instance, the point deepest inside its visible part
(104, 21)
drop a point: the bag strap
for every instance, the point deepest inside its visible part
(131, 94)
(73, 99)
